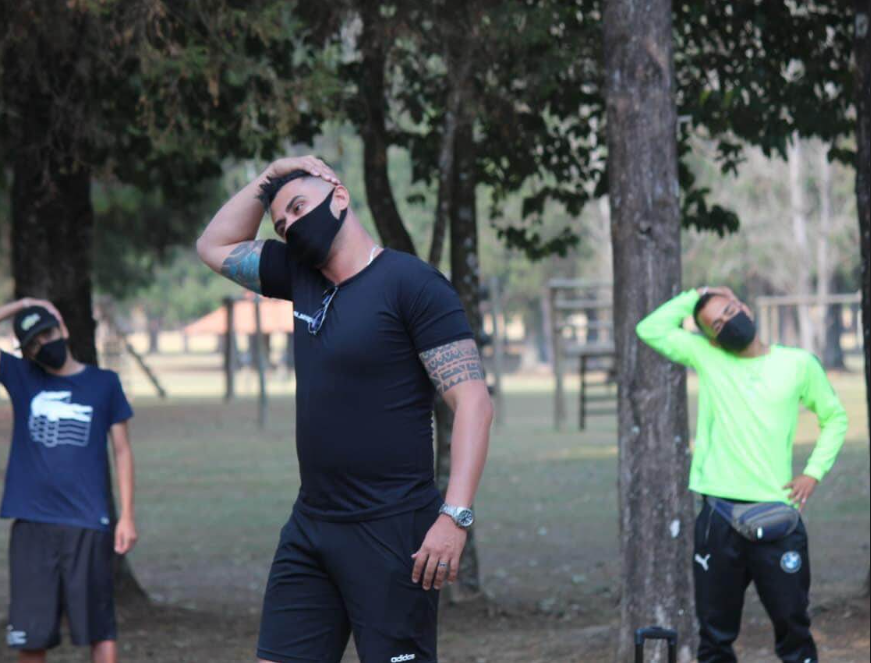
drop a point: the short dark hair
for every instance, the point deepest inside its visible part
(703, 301)
(270, 188)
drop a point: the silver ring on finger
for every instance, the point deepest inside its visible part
(443, 564)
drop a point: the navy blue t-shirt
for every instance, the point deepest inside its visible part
(58, 463)
(364, 401)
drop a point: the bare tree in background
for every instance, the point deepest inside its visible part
(798, 210)
(862, 55)
(456, 216)
(829, 278)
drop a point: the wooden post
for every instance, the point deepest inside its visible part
(498, 350)
(582, 416)
(773, 325)
(260, 348)
(762, 310)
(116, 340)
(152, 378)
(556, 335)
(229, 352)
(288, 350)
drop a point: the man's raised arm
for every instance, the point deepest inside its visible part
(662, 329)
(228, 244)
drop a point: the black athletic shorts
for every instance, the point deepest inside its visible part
(57, 569)
(329, 579)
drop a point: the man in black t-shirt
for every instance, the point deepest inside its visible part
(377, 334)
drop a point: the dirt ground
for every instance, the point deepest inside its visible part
(213, 492)
(472, 633)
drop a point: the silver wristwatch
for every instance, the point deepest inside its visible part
(462, 516)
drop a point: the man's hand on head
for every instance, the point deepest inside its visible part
(309, 163)
(801, 488)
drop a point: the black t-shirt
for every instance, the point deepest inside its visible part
(364, 435)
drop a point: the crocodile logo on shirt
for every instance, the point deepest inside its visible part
(55, 420)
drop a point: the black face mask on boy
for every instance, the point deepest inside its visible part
(53, 354)
(310, 238)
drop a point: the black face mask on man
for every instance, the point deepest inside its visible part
(310, 238)
(53, 354)
(738, 333)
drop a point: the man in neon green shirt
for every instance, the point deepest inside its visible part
(749, 396)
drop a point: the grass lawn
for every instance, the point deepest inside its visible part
(213, 491)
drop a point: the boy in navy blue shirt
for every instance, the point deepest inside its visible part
(57, 489)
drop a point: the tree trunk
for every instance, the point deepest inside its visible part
(833, 351)
(456, 210)
(154, 337)
(52, 260)
(52, 233)
(862, 55)
(799, 230)
(829, 280)
(656, 507)
(824, 269)
(459, 62)
(446, 179)
(379, 193)
(465, 276)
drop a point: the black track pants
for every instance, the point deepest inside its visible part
(725, 563)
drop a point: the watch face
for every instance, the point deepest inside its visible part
(465, 518)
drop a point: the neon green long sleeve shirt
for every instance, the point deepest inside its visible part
(748, 409)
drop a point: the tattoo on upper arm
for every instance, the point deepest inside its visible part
(243, 264)
(449, 365)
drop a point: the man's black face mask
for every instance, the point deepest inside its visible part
(738, 332)
(310, 238)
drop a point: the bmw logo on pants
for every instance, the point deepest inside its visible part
(790, 562)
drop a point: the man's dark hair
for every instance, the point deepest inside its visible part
(270, 188)
(703, 301)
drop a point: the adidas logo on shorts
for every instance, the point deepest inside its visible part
(404, 657)
(15, 638)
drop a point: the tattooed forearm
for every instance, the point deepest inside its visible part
(243, 264)
(449, 365)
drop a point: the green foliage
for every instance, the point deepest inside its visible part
(538, 116)
(183, 290)
(219, 80)
(753, 73)
(762, 258)
(152, 99)
(748, 73)
(136, 230)
(160, 96)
